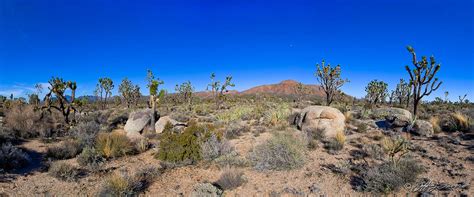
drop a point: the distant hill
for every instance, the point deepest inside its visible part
(286, 87)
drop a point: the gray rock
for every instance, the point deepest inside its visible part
(395, 117)
(327, 120)
(137, 121)
(161, 123)
(422, 128)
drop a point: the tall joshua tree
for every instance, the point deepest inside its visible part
(153, 85)
(422, 77)
(330, 80)
(218, 90)
(58, 87)
(105, 85)
(376, 92)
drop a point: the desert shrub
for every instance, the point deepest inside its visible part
(236, 114)
(281, 152)
(65, 150)
(278, 115)
(212, 148)
(313, 136)
(12, 157)
(231, 159)
(86, 132)
(374, 151)
(142, 145)
(125, 184)
(180, 117)
(23, 120)
(454, 122)
(183, 147)
(230, 179)
(395, 148)
(390, 176)
(63, 171)
(206, 189)
(91, 159)
(362, 127)
(434, 120)
(235, 129)
(113, 144)
(337, 143)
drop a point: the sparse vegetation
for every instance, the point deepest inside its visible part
(63, 171)
(91, 159)
(230, 179)
(12, 157)
(213, 148)
(281, 152)
(113, 144)
(127, 184)
(65, 150)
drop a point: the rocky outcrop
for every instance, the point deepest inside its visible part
(327, 120)
(161, 123)
(394, 117)
(422, 128)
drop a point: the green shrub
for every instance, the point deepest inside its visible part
(65, 150)
(113, 144)
(390, 176)
(91, 159)
(230, 179)
(183, 147)
(12, 157)
(281, 152)
(63, 171)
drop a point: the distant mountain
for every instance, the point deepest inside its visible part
(286, 87)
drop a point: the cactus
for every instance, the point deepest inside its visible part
(153, 85)
(376, 92)
(58, 87)
(218, 90)
(330, 80)
(421, 77)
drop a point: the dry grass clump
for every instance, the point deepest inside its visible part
(434, 120)
(91, 159)
(125, 184)
(113, 144)
(65, 150)
(230, 179)
(281, 152)
(337, 143)
(278, 115)
(24, 121)
(213, 148)
(64, 171)
(12, 157)
(455, 122)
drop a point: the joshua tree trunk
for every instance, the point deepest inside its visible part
(153, 112)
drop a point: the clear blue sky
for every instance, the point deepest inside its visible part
(257, 42)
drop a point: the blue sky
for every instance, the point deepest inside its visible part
(257, 42)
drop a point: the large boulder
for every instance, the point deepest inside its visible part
(137, 121)
(161, 123)
(394, 117)
(327, 120)
(422, 128)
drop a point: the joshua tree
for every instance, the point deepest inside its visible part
(421, 77)
(128, 91)
(462, 99)
(330, 80)
(218, 90)
(153, 85)
(301, 90)
(185, 91)
(403, 92)
(105, 85)
(33, 99)
(376, 92)
(391, 98)
(446, 93)
(136, 95)
(58, 87)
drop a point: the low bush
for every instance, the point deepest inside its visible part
(63, 171)
(142, 145)
(455, 122)
(278, 115)
(86, 132)
(337, 143)
(12, 157)
(184, 147)
(231, 159)
(281, 152)
(213, 148)
(230, 179)
(235, 130)
(91, 159)
(125, 184)
(65, 150)
(113, 144)
(23, 120)
(390, 176)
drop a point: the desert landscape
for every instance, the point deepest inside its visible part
(236, 98)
